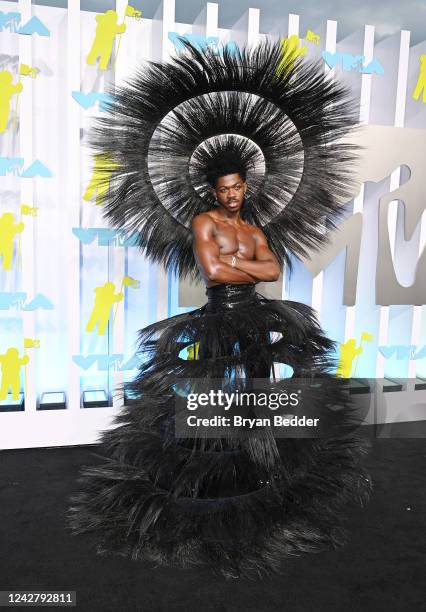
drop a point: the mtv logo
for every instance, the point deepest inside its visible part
(10, 21)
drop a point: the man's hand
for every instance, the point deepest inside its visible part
(228, 258)
(264, 266)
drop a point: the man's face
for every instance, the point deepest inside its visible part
(229, 191)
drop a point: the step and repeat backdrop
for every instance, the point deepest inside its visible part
(74, 292)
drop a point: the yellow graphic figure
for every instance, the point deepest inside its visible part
(106, 31)
(10, 369)
(8, 231)
(421, 81)
(127, 281)
(290, 51)
(192, 351)
(26, 209)
(348, 352)
(133, 13)
(104, 299)
(312, 37)
(99, 182)
(25, 70)
(7, 90)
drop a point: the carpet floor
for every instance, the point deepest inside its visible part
(381, 568)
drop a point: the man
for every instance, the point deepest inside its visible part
(230, 251)
(226, 248)
(240, 505)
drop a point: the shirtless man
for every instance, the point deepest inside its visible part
(226, 248)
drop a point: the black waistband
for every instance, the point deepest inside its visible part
(229, 296)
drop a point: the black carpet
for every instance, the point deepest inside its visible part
(381, 568)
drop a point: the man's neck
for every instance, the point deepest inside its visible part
(227, 215)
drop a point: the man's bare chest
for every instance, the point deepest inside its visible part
(232, 239)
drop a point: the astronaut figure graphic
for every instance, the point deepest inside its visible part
(99, 182)
(8, 230)
(104, 299)
(106, 31)
(348, 352)
(10, 367)
(291, 50)
(421, 81)
(7, 90)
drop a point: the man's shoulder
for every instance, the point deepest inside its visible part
(202, 220)
(254, 229)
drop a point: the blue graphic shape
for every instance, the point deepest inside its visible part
(107, 361)
(105, 100)
(8, 164)
(374, 67)
(421, 354)
(404, 352)
(130, 240)
(198, 40)
(11, 325)
(8, 299)
(9, 20)
(106, 236)
(202, 42)
(86, 100)
(132, 364)
(351, 62)
(39, 301)
(34, 26)
(85, 362)
(231, 48)
(331, 59)
(174, 37)
(37, 169)
(86, 236)
(387, 351)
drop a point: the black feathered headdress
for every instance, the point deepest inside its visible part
(281, 118)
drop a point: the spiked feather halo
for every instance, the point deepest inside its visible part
(281, 118)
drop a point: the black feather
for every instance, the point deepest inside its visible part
(281, 118)
(240, 503)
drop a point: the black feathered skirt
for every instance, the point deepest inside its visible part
(242, 502)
